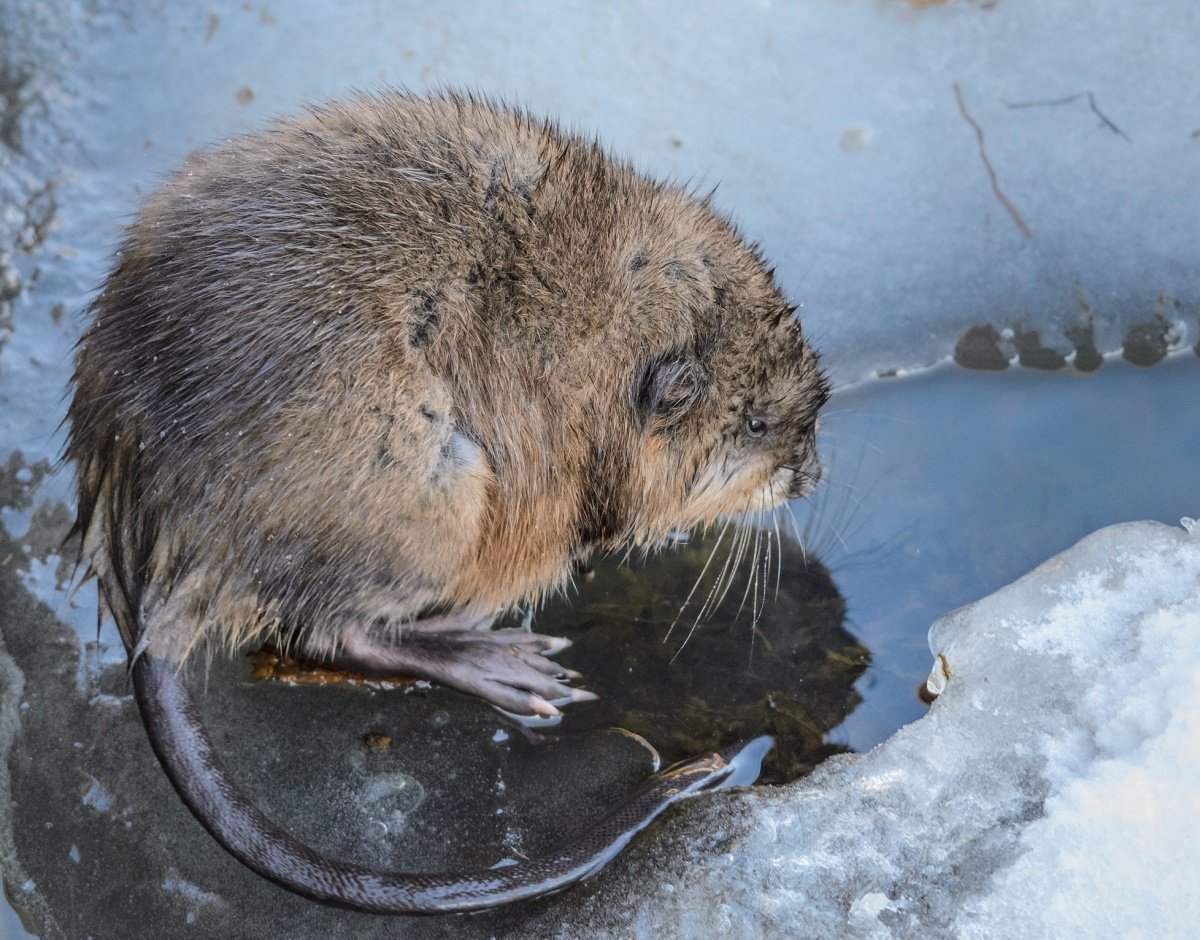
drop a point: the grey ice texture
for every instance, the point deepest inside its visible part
(1051, 790)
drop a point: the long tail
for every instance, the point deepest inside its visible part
(186, 753)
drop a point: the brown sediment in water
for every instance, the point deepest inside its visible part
(722, 678)
(1146, 343)
(377, 741)
(1083, 337)
(269, 664)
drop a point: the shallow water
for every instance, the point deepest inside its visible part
(943, 486)
(772, 657)
(940, 488)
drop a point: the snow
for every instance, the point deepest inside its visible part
(1049, 792)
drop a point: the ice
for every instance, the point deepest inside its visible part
(1049, 792)
(833, 130)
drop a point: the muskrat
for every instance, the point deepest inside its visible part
(363, 380)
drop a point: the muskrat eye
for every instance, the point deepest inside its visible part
(756, 427)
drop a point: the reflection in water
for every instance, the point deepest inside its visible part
(942, 487)
(702, 685)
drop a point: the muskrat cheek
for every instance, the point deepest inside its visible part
(805, 477)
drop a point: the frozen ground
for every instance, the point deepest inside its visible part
(914, 168)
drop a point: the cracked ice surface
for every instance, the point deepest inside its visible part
(1049, 792)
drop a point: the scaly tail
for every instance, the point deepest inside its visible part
(186, 753)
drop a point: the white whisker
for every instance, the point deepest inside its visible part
(708, 600)
(732, 564)
(779, 550)
(699, 578)
(710, 607)
(800, 536)
(766, 568)
(753, 571)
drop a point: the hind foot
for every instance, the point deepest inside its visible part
(511, 669)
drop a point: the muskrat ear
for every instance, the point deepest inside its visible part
(664, 387)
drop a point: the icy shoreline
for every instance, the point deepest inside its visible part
(1049, 792)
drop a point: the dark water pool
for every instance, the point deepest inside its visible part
(944, 486)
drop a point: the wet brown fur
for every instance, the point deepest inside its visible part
(403, 355)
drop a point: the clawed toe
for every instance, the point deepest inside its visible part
(555, 645)
(534, 642)
(573, 697)
(524, 682)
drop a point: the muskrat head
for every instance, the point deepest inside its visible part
(729, 416)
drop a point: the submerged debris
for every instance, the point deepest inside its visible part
(1033, 355)
(269, 663)
(1083, 337)
(1148, 342)
(979, 348)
